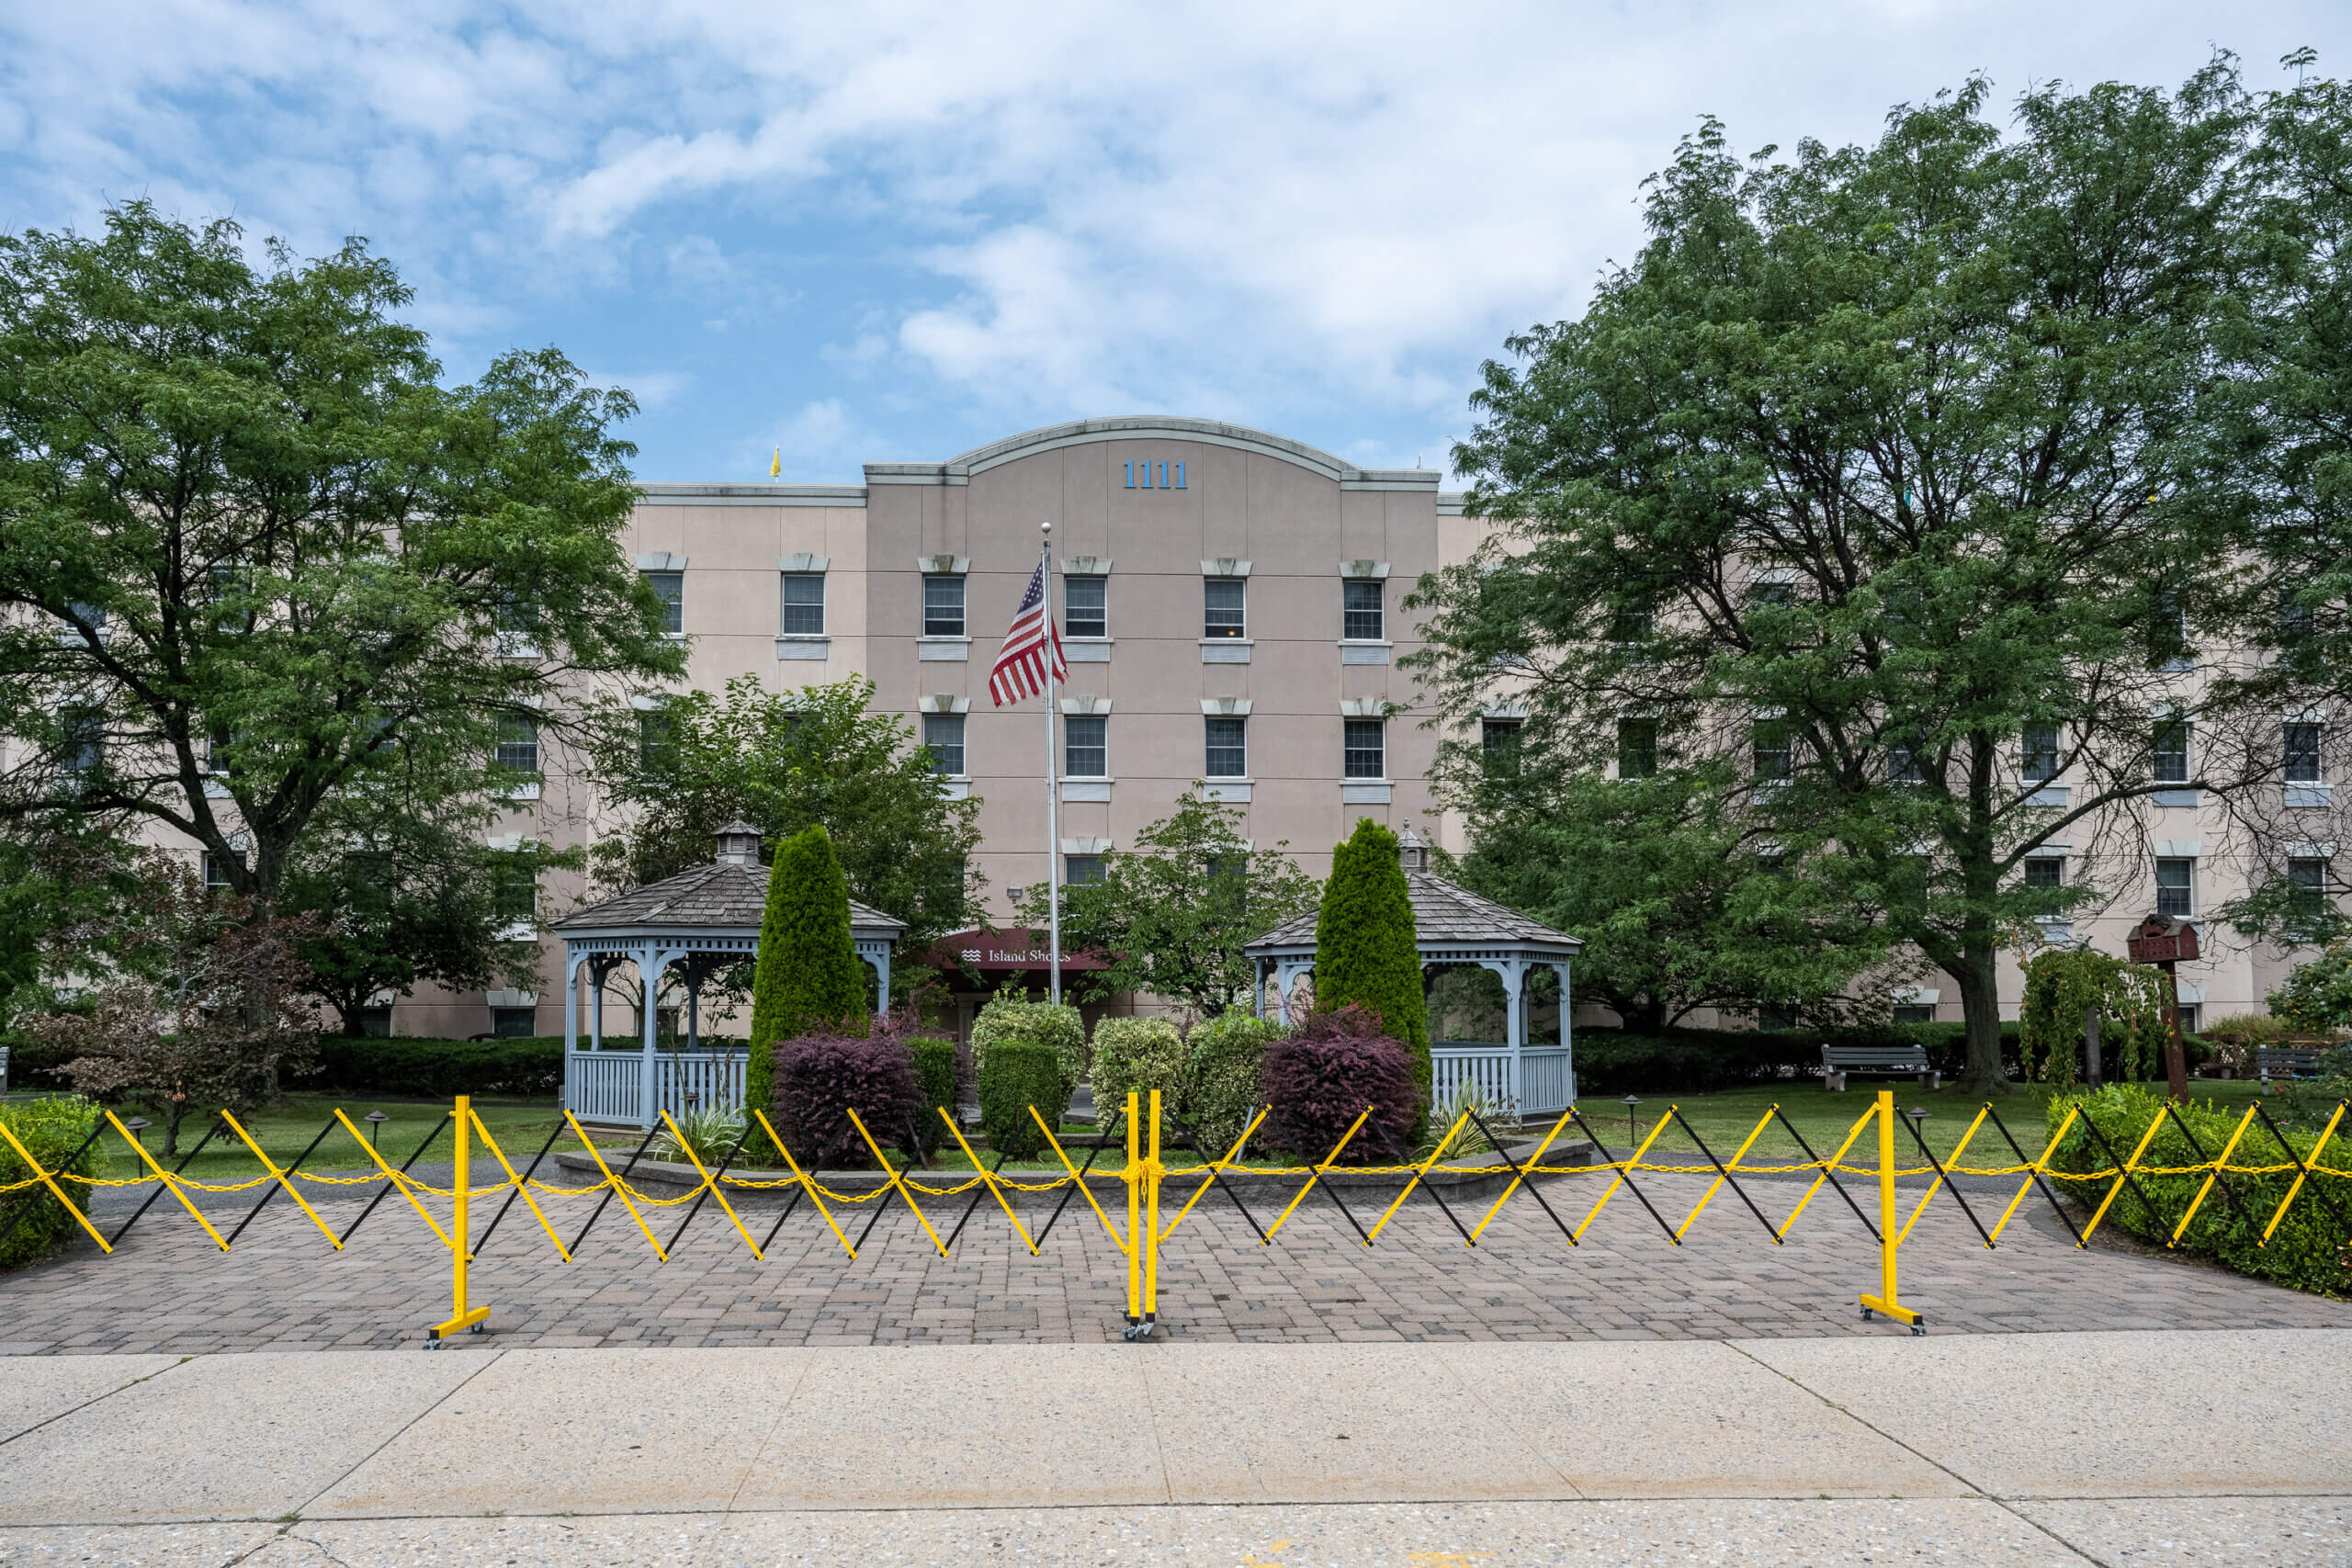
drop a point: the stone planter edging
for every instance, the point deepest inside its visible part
(662, 1179)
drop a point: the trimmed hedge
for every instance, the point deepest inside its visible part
(1014, 1075)
(935, 1073)
(1139, 1055)
(1061, 1029)
(34, 1064)
(1225, 1074)
(438, 1069)
(50, 1130)
(2308, 1252)
(1698, 1061)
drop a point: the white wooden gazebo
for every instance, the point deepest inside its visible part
(1453, 926)
(700, 921)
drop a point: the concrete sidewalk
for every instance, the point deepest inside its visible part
(2049, 1448)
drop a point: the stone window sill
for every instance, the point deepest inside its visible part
(944, 650)
(1086, 789)
(1087, 649)
(1225, 649)
(2308, 794)
(1367, 792)
(1237, 791)
(803, 645)
(1357, 651)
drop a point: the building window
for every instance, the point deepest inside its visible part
(216, 746)
(512, 1023)
(2041, 753)
(1223, 605)
(1081, 871)
(943, 605)
(1498, 738)
(1228, 748)
(515, 891)
(1773, 1016)
(518, 742)
(1085, 607)
(1364, 749)
(2176, 888)
(2307, 897)
(1636, 747)
(2189, 1014)
(1632, 624)
(2168, 631)
(1914, 1012)
(944, 733)
(81, 740)
(1903, 764)
(1771, 593)
(376, 1023)
(804, 603)
(657, 741)
(670, 587)
(2303, 754)
(1086, 752)
(1773, 757)
(1360, 619)
(2045, 871)
(2171, 752)
(215, 873)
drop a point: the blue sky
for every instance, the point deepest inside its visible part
(888, 230)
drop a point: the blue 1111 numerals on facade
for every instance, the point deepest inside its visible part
(1164, 469)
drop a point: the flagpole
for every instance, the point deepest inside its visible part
(1053, 788)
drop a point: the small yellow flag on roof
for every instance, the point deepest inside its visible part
(775, 464)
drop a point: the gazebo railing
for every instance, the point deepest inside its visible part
(1541, 1085)
(610, 1085)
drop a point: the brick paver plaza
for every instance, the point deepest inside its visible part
(168, 1288)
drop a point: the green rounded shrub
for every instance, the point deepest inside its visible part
(1137, 1054)
(50, 1130)
(1058, 1029)
(1224, 1076)
(1016, 1075)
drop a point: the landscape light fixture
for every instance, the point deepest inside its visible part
(139, 1125)
(376, 1120)
(1631, 1101)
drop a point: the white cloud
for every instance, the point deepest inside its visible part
(1280, 214)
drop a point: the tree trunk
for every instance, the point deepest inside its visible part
(1980, 1004)
(1645, 1016)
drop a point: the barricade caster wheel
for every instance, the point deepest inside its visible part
(1866, 1314)
(1128, 1332)
(1918, 1331)
(478, 1328)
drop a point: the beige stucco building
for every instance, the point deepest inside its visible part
(1229, 601)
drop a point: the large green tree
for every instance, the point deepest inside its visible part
(1679, 904)
(1173, 912)
(252, 550)
(407, 891)
(1365, 950)
(784, 762)
(1883, 475)
(2292, 435)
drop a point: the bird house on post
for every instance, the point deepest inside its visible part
(2162, 938)
(2163, 941)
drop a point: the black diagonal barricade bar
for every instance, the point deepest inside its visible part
(1145, 1130)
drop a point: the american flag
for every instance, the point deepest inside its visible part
(1019, 668)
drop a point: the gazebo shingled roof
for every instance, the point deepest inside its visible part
(721, 894)
(1443, 913)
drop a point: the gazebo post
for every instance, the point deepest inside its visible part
(570, 1018)
(649, 974)
(694, 1005)
(598, 968)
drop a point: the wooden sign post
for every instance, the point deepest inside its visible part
(2164, 942)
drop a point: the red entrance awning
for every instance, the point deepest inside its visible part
(992, 952)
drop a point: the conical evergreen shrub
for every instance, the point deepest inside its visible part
(810, 978)
(1365, 948)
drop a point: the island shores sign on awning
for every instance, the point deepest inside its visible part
(1017, 950)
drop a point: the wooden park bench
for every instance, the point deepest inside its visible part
(2292, 1061)
(1888, 1061)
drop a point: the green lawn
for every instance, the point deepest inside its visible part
(286, 1129)
(1724, 1120)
